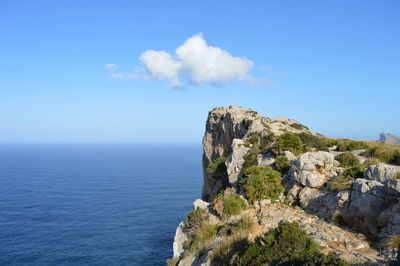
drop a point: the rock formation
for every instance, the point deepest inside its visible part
(389, 138)
(330, 202)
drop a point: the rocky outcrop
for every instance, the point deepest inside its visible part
(222, 127)
(330, 215)
(389, 138)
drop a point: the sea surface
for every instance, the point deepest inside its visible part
(94, 204)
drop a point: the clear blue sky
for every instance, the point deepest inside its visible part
(332, 65)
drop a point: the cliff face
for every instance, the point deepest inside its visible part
(291, 175)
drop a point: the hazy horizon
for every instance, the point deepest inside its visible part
(124, 71)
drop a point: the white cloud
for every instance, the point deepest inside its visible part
(160, 65)
(193, 63)
(110, 67)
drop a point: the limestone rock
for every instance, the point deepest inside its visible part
(380, 172)
(265, 159)
(200, 204)
(367, 200)
(313, 168)
(235, 160)
(179, 239)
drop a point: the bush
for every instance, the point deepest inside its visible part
(348, 159)
(195, 219)
(288, 142)
(262, 183)
(286, 245)
(298, 126)
(398, 175)
(311, 141)
(338, 183)
(388, 153)
(257, 145)
(217, 165)
(232, 204)
(351, 145)
(355, 172)
(282, 164)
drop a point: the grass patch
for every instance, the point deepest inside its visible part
(262, 183)
(389, 153)
(351, 145)
(339, 183)
(348, 159)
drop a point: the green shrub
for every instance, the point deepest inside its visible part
(286, 245)
(370, 161)
(262, 183)
(354, 172)
(232, 204)
(398, 175)
(348, 159)
(298, 126)
(338, 183)
(311, 141)
(282, 164)
(351, 145)
(217, 164)
(195, 219)
(257, 145)
(288, 142)
(203, 237)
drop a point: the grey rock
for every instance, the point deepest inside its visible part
(394, 184)
(380, 172)
(179, 239)
(265, 159)
(389, 138)
(235, 160)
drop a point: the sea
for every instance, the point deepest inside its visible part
(94, 204)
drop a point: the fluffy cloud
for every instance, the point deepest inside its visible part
(193, 63)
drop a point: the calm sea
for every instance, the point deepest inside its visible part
(94, 204)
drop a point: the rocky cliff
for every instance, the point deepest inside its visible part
(389, 138)
(261, 174)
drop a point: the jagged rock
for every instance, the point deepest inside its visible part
(367, 200)
(200, 204)
(235, 160)
(394, 184)
(179, 239)
(313, 168)
(222, 127)
(291, 157)
(265, 159)
(389, 219)
(380, 172)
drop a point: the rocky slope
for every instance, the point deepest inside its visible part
(348, 212)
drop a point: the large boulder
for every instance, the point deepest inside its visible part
(235, 160)
(265, 159)
(389, 220)
(367, 200)
(381, 173)
(312, 169)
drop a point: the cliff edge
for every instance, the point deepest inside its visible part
(275, 192)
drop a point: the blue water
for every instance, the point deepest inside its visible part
(94, 204)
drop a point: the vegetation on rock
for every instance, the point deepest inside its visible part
(338, 183)
(351, 145)
(288, 142)
(285, 245)
(262, 183)
(231, 204)
(282, 164)
(348, 159)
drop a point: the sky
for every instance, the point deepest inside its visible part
(149, 71)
